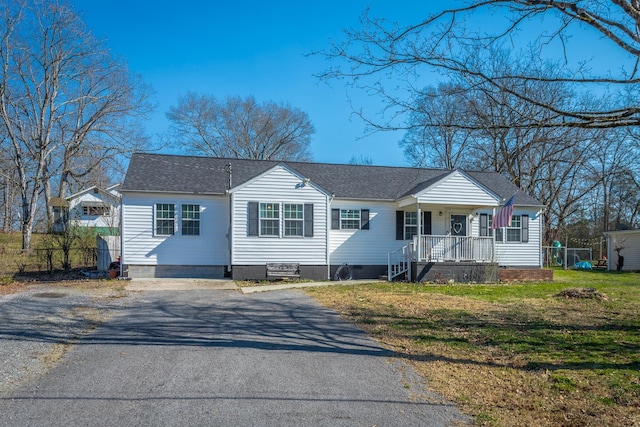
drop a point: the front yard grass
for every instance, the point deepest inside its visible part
(513, 354)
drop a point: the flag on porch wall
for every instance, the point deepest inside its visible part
(503, 217)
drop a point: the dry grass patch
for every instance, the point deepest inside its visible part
(513, 355)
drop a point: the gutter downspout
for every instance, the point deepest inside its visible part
(420, 230)
(121, 237)
(329, 200)
(230, 231)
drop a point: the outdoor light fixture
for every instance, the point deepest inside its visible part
(440, 213)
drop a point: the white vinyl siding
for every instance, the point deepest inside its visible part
(279, 186)
(516, 253)
(456, 189)
(95, 210)
(365, 247)
(143, 247)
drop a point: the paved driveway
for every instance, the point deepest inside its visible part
(220, 358)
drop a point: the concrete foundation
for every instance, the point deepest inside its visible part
(259, 272)
(174, 271)
(361, 271)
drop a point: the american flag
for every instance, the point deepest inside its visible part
(503, 217)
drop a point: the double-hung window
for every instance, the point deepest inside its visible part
(165, 219)
(517, 232)
(293, 219)
(514, 233)
(269, 219)
(350, 219)
(190, 220)
(264, 219)
(410, 225)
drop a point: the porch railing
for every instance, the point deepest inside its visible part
(453, 248)
(399, 262)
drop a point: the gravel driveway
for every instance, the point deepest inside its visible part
(199, 357)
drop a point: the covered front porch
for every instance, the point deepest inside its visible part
(419, 257)
(446, 221)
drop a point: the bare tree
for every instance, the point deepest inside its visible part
(537, 117)
(8, 187)
(62, 96)
(435, 135)
(445, 42)
(240, 128)
(361, 160)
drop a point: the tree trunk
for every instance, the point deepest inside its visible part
(47, 197)
(27, 230)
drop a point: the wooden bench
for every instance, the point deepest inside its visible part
(283, 270)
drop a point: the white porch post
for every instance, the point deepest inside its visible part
(419, 228)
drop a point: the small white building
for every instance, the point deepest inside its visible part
(95, 208)
(628, 241)
(210, 217)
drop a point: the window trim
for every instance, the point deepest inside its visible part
(405, 225)
(286, 220)
(355, 220)
(254, 219)
(502, 234)
(277, 228)
(156, 218)
(514, 219)
(104, 209)
(363, 219)
(197, 220)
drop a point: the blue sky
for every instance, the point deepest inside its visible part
(254, 48)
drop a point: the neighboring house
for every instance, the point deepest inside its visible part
(210, 217)
(628, 241)
(95, 208)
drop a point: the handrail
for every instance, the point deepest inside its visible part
(399, 262)
(456, 248)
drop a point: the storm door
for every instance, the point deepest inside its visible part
(458, 230)
(458, 225)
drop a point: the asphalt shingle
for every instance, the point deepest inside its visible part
(209, 175)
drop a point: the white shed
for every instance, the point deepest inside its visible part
(629, 243)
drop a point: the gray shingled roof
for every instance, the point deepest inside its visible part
(208, 175)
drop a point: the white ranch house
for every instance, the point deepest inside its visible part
(213, 217)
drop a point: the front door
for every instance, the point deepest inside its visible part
(459, 230)
(458, 225)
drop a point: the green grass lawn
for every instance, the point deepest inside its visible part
(514, 354)
(14, 261)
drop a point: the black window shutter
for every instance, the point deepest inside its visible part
(399, 225)
(484, 225)
(335, 219)
(308, 220)
(252, 228)
(525, 228)
(427, 223)
(364, 219)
